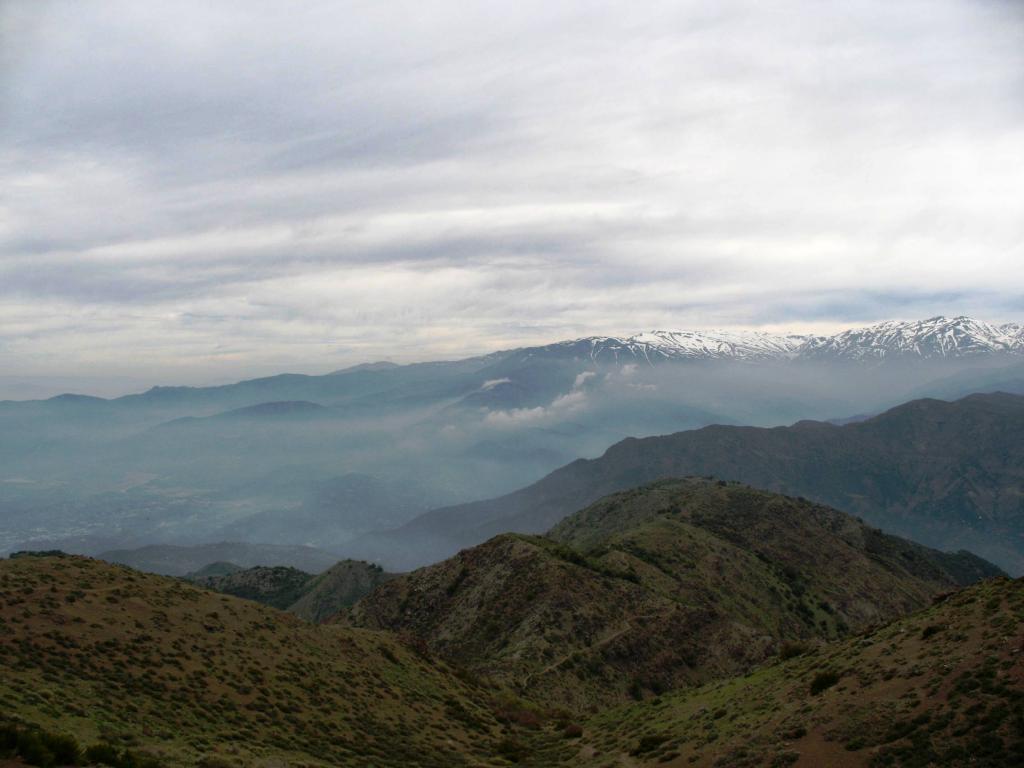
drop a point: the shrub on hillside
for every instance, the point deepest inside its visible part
(790, 650)
(823, 681)
(37, 747)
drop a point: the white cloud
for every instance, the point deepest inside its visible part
(583, 378)
(196, 191)
(561, 407)
(492, 383)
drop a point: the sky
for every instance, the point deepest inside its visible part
(197, 192)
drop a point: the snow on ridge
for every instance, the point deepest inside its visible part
(936, 337)
(1014, 333)
(740, 345)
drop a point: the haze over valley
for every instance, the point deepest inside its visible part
(318, 461)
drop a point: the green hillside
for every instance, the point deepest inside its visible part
(944, 687)
(690, 622)
(668, 585)
(106, 653)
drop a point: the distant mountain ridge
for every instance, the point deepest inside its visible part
(310, 597)
(949, 475)
(174, 560)
(937, 337)
(248, 461)
(932, 338)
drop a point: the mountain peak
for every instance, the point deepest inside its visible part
(935, 337)
(932, 338)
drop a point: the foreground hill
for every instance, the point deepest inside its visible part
(950, 475)
(179, 676)
(944, 687)
(671, 584)
(185, 674)
(311, 597)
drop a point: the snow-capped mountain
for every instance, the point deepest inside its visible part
(937, 337)
(1014, 332)
(705, 345)
(657, 346)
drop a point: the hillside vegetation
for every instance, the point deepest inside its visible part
(149, 671)
(105, 653)
(690, 622)
(944, 687)
(667, 585)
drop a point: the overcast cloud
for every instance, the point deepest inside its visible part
(201, 191)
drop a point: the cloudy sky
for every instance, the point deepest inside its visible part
(197, 192)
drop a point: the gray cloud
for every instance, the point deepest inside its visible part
(200, 191)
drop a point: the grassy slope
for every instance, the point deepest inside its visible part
(671, 584)
(105, 652)
(942, 687)
(101, 651)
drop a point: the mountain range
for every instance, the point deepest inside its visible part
(320, 461)
(936, 337)
(794, 591)
(950, 475)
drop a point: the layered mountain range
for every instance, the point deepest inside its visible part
(318, 461)
(950, 475)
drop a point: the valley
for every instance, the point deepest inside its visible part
(326, 461)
